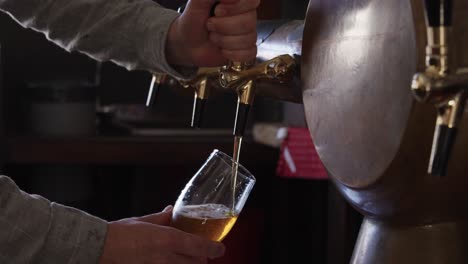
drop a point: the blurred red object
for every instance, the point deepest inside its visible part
(298, 158)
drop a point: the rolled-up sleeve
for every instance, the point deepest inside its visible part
(34, 230)
(131, 33)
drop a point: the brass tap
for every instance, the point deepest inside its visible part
(242, 78)
(280, 69)
(200, 84)
(440, 85)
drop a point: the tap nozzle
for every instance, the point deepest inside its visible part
(199, 103)
(201, 85)
(234, 76)
(246, 95)
(445, 134)
(157, 81)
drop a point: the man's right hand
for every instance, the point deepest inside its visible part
(197, 39)
(149, 239)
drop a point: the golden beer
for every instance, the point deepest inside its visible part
(212, 221)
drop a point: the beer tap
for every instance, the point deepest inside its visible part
(157, 81)
(440, 85)
(199, 84)
(276, 78)
(242, 77)
(201, 88)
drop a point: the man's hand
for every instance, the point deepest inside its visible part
(149, 239)
(196, 39)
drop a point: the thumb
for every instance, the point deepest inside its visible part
(200, 7)
(162, 218)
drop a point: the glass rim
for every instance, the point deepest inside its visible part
(241, 169)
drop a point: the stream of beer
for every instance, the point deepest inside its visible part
(235, 169)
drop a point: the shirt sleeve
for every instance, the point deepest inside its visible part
(34, 230)
(131, 33)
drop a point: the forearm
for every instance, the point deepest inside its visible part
(130, 33)
(33, 230)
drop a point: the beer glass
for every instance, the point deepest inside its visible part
(212, 200)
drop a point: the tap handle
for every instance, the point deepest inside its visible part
(444, 138)
(198, 110)
(439, 13)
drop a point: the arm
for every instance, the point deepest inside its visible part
(130, 33)
(140, 34)
(34, 230)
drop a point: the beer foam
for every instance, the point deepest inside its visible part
(206, 211)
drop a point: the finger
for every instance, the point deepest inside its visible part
(239, 7)
(162, 218)
(234, 25)
(240, 55)
(200, 7)
(191, 245)
(168, 208)
(234, 42)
